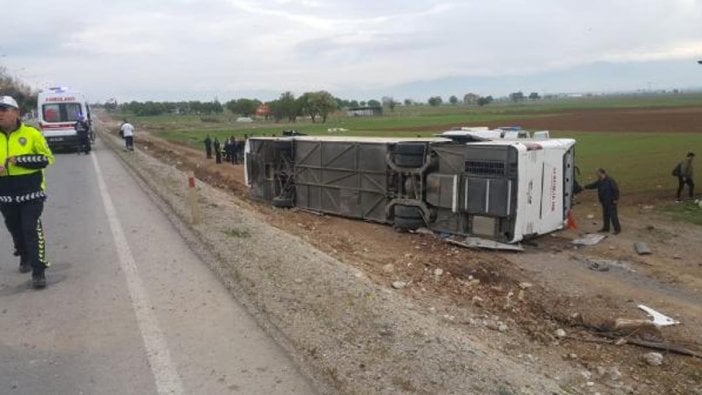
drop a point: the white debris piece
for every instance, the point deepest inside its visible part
(658, 318)
(589, 239)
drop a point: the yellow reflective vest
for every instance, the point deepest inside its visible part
(23, 180)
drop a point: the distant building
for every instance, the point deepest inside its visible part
(264, 110)
(364, 111)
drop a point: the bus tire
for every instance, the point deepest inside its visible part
(282, 202)
(409, 160)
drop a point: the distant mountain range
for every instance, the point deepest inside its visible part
(598, 77)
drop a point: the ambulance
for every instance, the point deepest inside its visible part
(58, 109)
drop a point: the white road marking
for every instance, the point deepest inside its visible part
(165, 375)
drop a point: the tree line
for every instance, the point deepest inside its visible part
(10, 86)
(315, 105)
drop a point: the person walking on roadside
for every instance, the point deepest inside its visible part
(24, 154)
(83, 132)
(208, 146)
(608, 194)
(217, 151)
(127, 130)
(685, 176)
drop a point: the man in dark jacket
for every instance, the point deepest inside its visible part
(608, 194)
(686, 175)
(217, 150)
(208, 147)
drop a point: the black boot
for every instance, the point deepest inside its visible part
(24, 266)
(38, 280)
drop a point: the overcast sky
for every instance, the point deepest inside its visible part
(202, 49)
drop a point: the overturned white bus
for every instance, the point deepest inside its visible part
(505, 185)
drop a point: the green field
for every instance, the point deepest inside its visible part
(640, 162)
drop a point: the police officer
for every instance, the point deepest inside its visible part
(83, 131)
(608, 194)
(24, 154)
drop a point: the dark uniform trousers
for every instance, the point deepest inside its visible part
(22, 220)
(690, 185)
(609, 215)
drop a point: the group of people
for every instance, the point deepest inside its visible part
(608, 191)
(232, 150)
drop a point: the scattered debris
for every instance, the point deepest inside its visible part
(643, 329)
(653, 358)
(642, 248)
(389, 268)
(590, 216)
(677, 257)
(399, 284)
(525, 285)
(658, 318)
(478, 243)
(438, 272)
(559, 333)
(477, 300)
(602, 265)
(589, 239)
(648, 207)
(599, 267)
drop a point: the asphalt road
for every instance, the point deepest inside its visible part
(129, 309)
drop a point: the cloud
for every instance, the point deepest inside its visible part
(197, 48)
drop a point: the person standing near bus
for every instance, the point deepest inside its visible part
(127, 131)
(24, 154)
(608, 194)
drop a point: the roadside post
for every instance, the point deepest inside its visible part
(192, 199)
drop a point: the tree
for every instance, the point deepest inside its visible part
(534, 96)
(23, 94)
(277, 110)
(373, 103)
(453, 100)
(409, 102)
(290, 106)
(516, 96)
(244, 107)
(320, 103)
(470, 99)
(435, 101)
(484, 100)
(389, 102)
